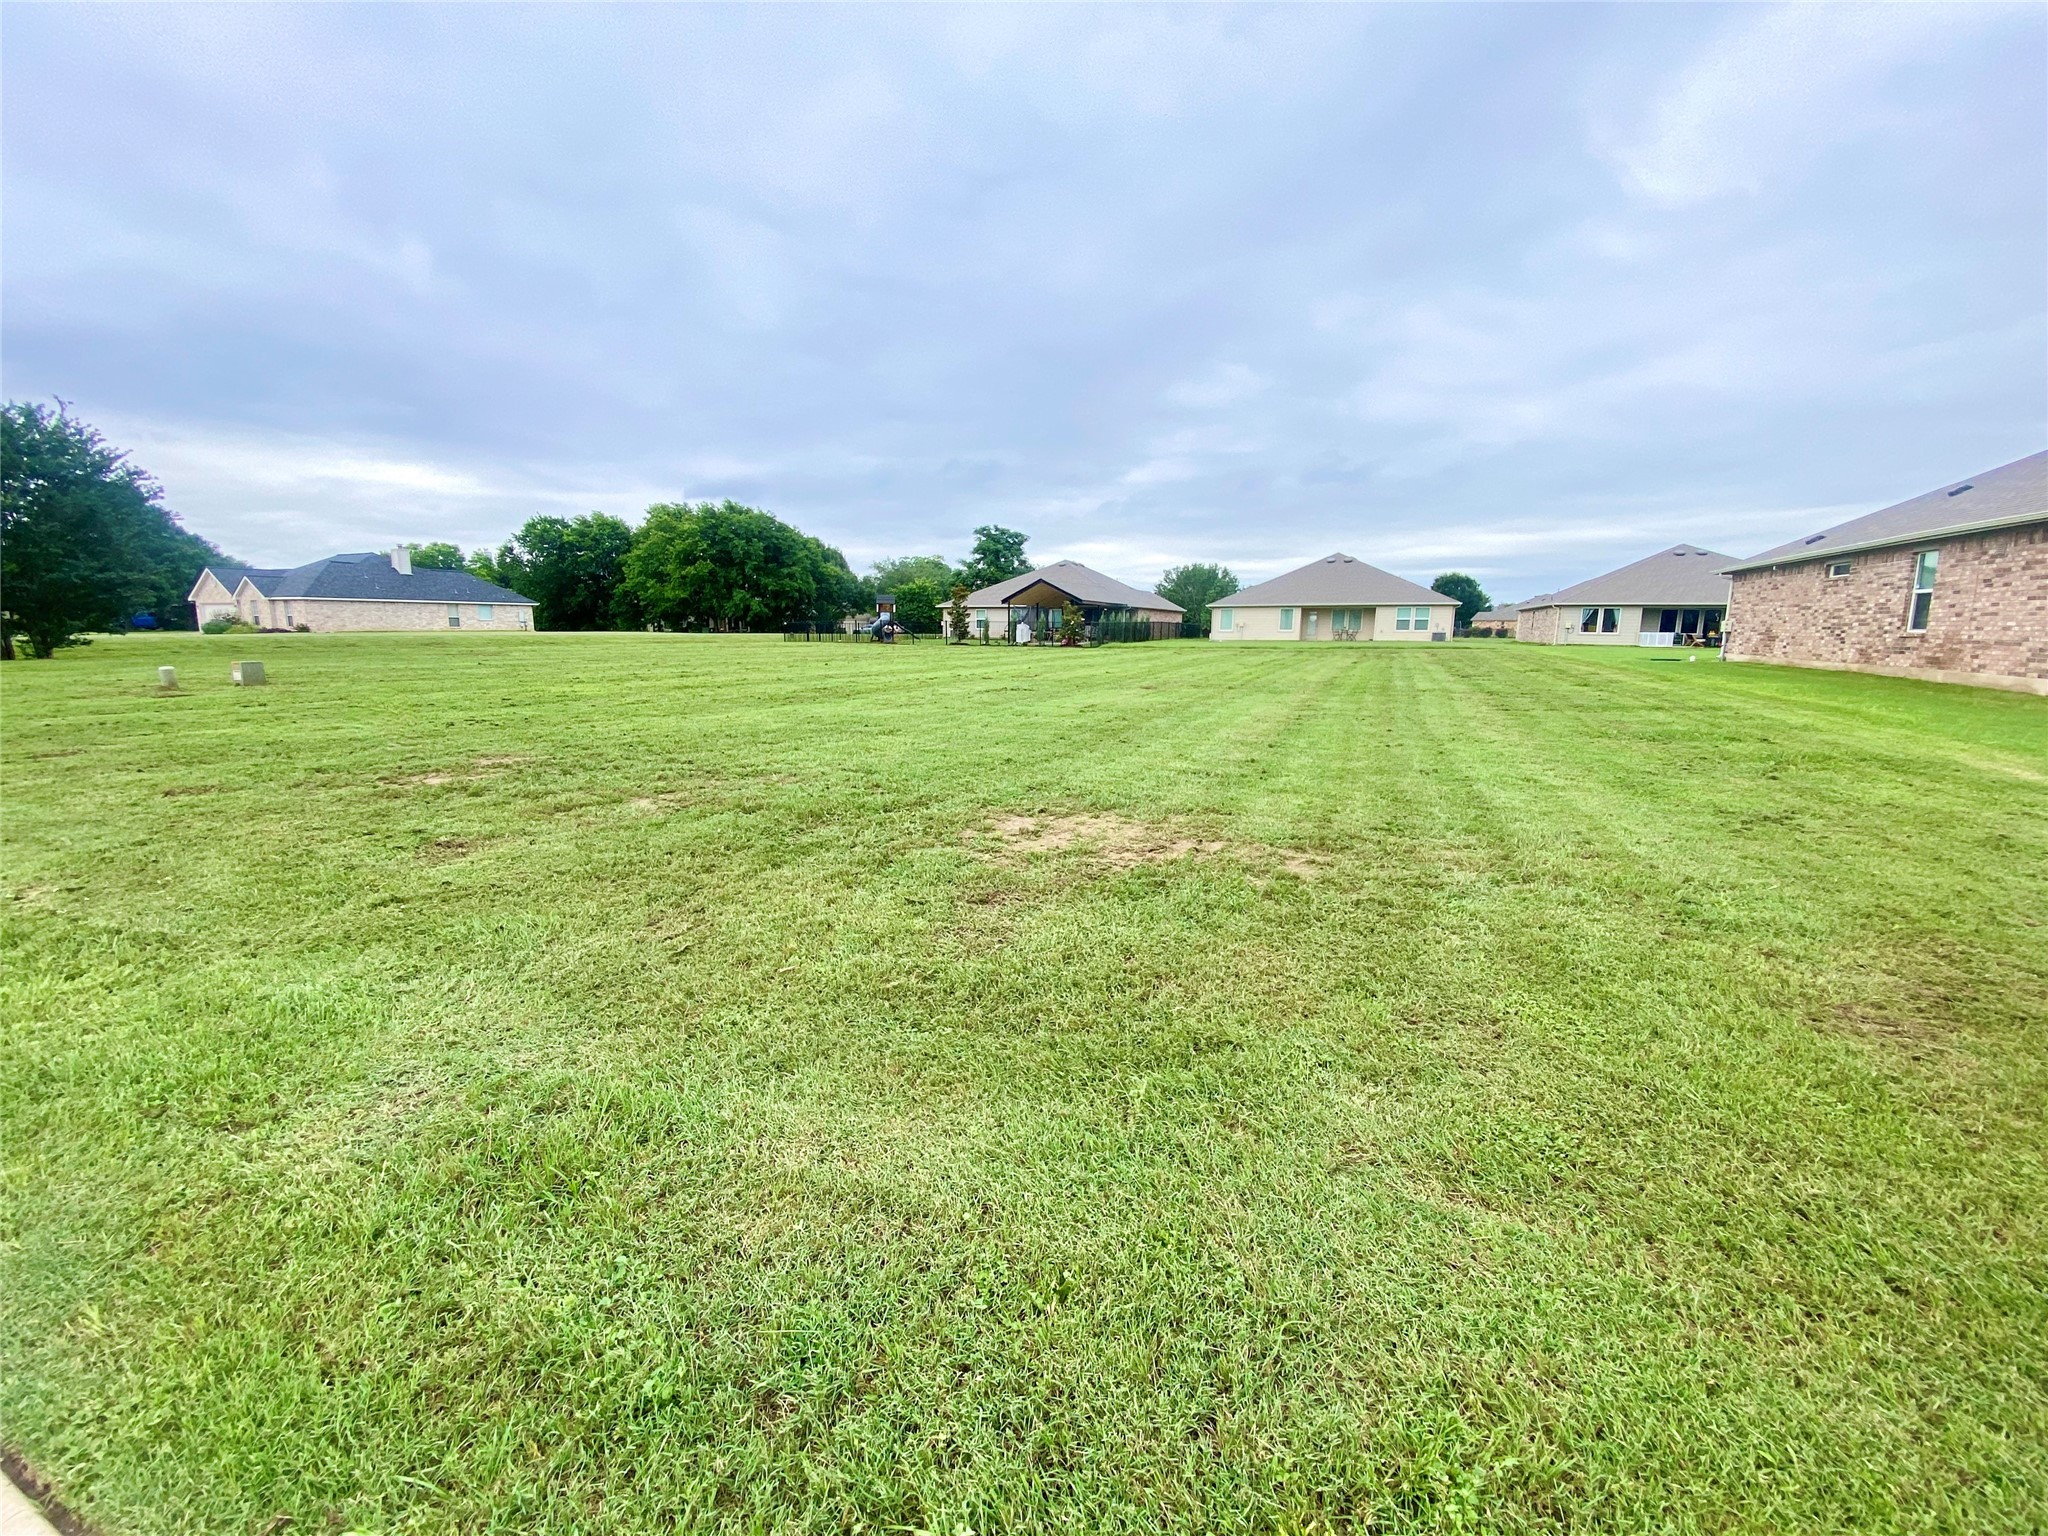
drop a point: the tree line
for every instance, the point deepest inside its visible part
(87, 545)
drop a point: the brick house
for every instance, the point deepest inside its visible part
(357, 592)
(1952, 586)
(1674, 597)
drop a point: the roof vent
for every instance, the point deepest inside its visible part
(1816, 538)
(1962, 488)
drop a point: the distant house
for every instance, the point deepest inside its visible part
(357, 592)
(1039, 598)
(1952, 585)
(1675, 596)
(1496, 621)
(1335, 598)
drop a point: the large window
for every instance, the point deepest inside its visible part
(483, 612)
(1411, 618)
(1287, 618)
(1351, 619)
(1589, 621)
(1924, 565)
(1223, 616)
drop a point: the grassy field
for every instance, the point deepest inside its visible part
(627, 1083)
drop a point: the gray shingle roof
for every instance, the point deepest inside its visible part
(1683, 576)
(1083, 585)
(230, 576)
(1496, 615)
(374, 577)
(1338, 579)
(2012, 493)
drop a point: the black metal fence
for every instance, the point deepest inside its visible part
(851, 636)
(1116, 630)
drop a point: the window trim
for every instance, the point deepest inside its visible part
(1287, 620)
(1835, 570)
(1920, 606)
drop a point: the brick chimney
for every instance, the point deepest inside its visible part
(401, 560)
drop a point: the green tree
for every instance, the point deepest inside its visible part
(956, 613)
(891, 574)
(998, 555)
(1195, 587)
(720, 565)
(1073, 624)
(917, 607)
(437, 557)
(572, 568)
(1471, 597)
(84, 543)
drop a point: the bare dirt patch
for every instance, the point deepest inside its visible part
(442, 849)
(1119, 842)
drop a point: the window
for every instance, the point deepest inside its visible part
(1610, 620)
(1589, 620)
(1838, 568)
(483, 612)
(455, 615)
(1287, 618)
(1924, 564)
(1223, 618)
(1411, 618)
(1352, 619)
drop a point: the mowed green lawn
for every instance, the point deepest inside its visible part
(627, 1083)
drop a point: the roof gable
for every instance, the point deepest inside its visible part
(1077, 581)
(1682, 576)
(2012, 493)
(1340, 579)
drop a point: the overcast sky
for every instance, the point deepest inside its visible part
(1527, 291)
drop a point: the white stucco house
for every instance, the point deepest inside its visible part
(1337, 597)
(374, 591)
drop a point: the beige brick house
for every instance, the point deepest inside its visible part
(1337, 597)
(357, 592)
(1677, 596)
(1951, 585)
(1037, 600)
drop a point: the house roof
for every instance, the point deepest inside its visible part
(1682, 576)
(1497, 615)
(231, 576)
(2012, 493)
(1340, 579)
(1077, 581)
(370, 576)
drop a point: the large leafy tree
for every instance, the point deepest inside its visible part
(891, 575)
(438, 557)
(84, 542)
(572, 568)
(917, 606)
(998, 554)
(1195, 587)
(721, 565)
(1471, 597)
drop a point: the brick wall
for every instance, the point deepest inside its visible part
(1989, 617)
(323, 615)
(1539, 625)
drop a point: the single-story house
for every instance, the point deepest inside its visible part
(372, 591)
(1677, 596)
(1039, 599)
(1496, 621)
(1337, 597)
(1951, 585)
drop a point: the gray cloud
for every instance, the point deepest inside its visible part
(1523, 290)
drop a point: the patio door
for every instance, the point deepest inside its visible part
(1309, 620)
